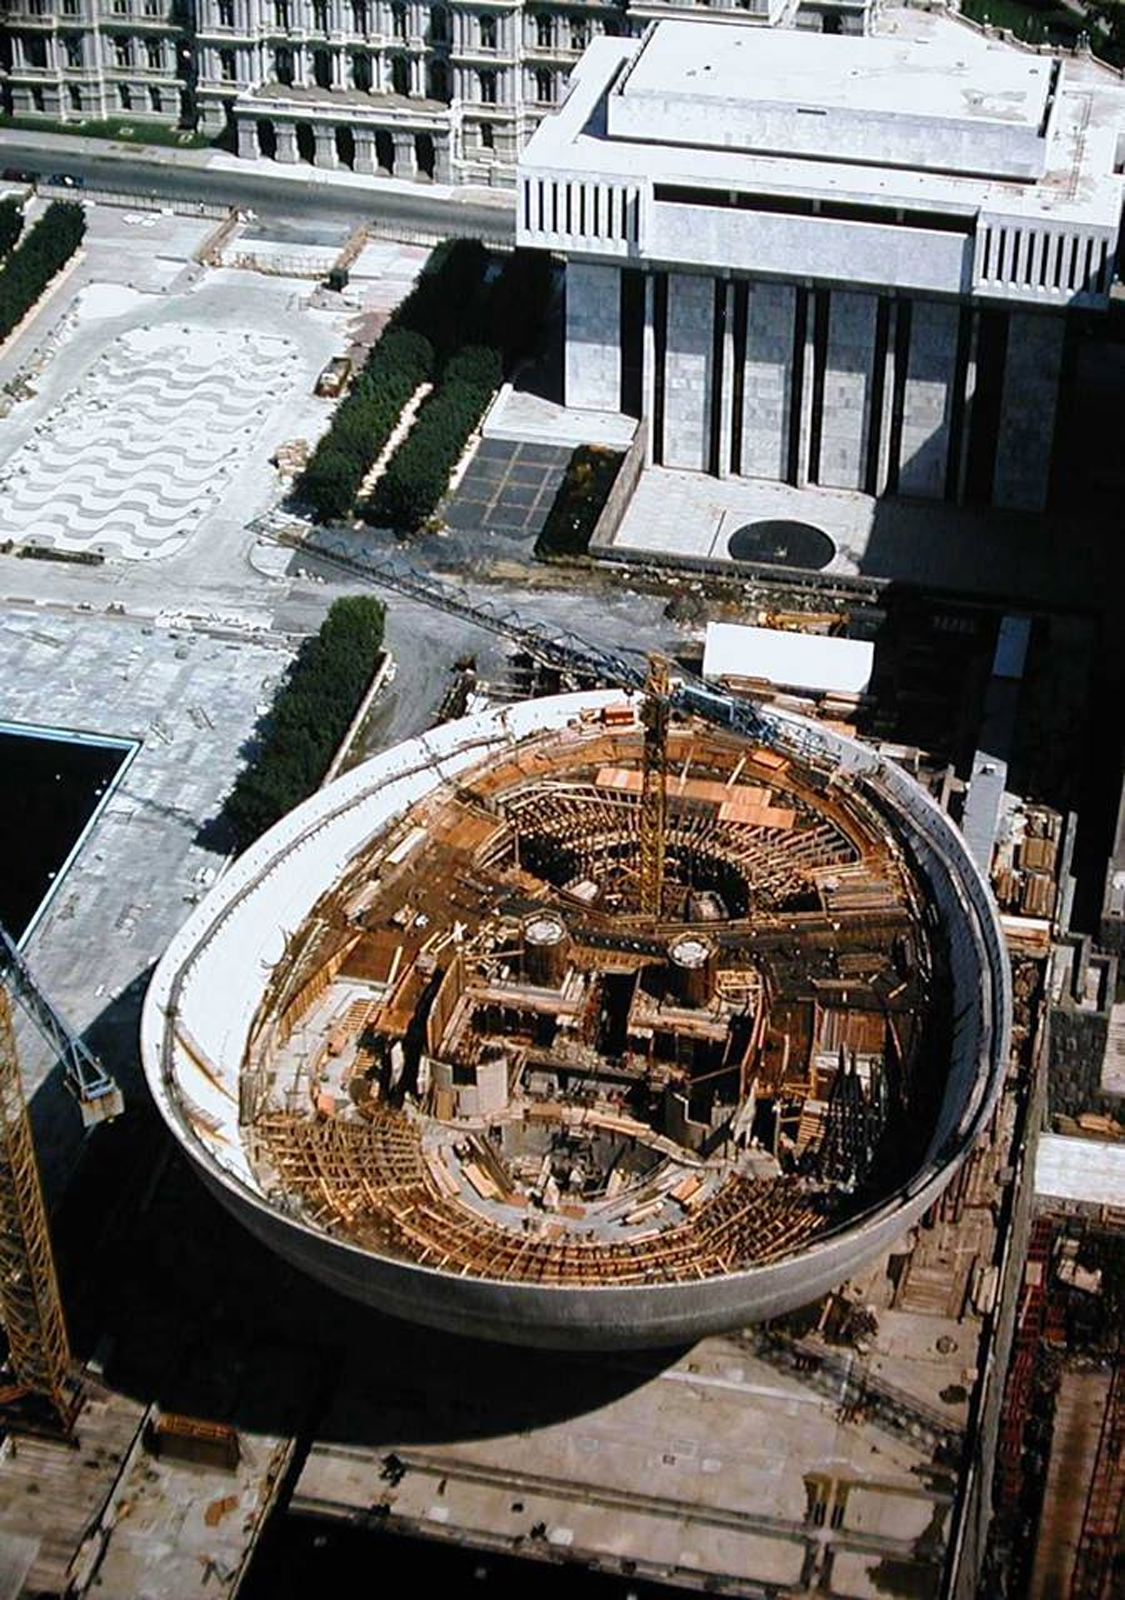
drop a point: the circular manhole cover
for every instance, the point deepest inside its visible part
(782, 544)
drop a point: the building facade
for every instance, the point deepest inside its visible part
(849, 263)
(405, 88)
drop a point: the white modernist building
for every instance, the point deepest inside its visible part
(846, 262)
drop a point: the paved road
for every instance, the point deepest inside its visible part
(195, 175)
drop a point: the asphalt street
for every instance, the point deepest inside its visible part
(195, 176)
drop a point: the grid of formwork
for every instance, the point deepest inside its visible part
(371, 1182)
(429, 916)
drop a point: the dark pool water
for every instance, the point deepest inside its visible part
(776, 542)
(50, 787)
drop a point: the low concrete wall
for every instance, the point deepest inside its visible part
(617, 501)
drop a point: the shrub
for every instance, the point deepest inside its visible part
(449, 302)
(590, 475)
(364, 421)
(454, 304)
(418, 473)
(11, 224)
(310, 715)
(477, 365)
(42, 251)
(520, 296)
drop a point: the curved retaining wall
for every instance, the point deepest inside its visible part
(196, 1021)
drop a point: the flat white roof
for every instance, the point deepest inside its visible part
(611, 128)
(1087, 1170)
(809, 661)
(858, 74)
(895, 102)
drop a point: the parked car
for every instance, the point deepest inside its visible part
(334, 379)
(65, 180)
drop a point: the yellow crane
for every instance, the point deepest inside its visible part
(655, 711)
(30, 1306)
(43, 1392)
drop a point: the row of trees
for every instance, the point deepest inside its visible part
(417, 474)
(43, 250)
(418, 338)
(464, 300)
(309, 717)
(364, 421)
(11, 224)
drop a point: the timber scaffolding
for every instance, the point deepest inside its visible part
(374, 1178)
(483, 1054)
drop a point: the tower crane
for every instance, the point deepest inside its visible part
(655, 711)
(30, 1305)
(622, 667)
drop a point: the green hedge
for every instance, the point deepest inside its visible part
(464, 301)
(590, 475)
(450, 302)
(364, 421)
(310, 716)
(129, 130)
(418, 472)
(11, 224)
(43, 250)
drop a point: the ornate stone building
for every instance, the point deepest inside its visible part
(408, 88)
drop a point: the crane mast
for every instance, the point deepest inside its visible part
(30, 1305)
(655, 708)
(45, 1393)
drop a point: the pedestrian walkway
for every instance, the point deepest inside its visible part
(520, 415)
(692, 518)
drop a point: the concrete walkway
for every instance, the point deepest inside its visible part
(521, 417)
(691, 518)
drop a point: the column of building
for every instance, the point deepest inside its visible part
(835, 387)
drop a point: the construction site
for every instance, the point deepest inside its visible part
(600, 1023)
(646, 1016)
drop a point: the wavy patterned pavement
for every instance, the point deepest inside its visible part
(130, 462)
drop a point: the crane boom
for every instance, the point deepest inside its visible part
(617, 668)
(97, 1094)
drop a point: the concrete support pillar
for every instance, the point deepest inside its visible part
(339, 74)
(928, 399)
(247, 138)
(325, 147)
(687, 370)
(406, 165)
(886, 410)
(847, 389)
(805, 356)
(443, 158)
(726, 394)
(768, 380)
(286, 143)
(592, 379)
(1027, 411)
(417, 78)
(648, 375)
(364, 149)
(967, 419)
